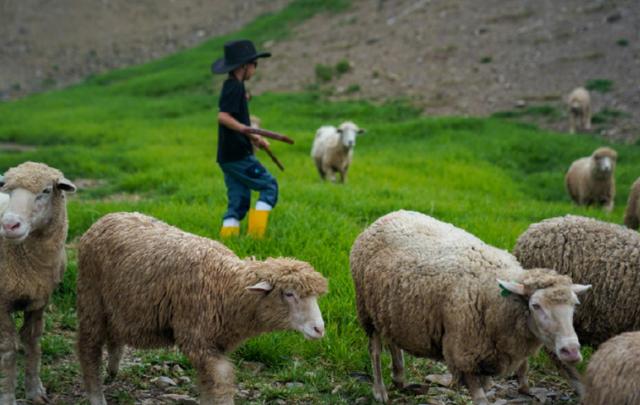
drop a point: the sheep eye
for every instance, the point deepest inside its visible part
(289, 295)
(46, 190)
(536, 307)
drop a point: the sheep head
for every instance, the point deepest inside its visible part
(35, 192)
(551, 299)
(348, 132)
(604, 162)
(289, 291)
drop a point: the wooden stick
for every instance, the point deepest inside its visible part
(273, 157)
(270, 134)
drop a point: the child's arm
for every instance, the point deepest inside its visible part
(228, 121)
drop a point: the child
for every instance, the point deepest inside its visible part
(242, 171)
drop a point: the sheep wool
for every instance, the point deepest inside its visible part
(579, 103)
(613, 373)
(147, 284)
(602, 254)
(332, 149)
(591, 181)
(632, 212)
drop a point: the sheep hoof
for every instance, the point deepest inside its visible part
(380, 394)
(41, 399)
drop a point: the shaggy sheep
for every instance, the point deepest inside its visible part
(632, 213)
(144, 283)
(332, 149)
(579, 109)
(613, 374)
(602, 254)
(590, 180)
(434, 290)
(32, 260)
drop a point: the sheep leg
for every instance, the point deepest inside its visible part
(397, 366)
(115, 355)
(487, 382)
(343, 175)
(329, 173)
(572, 122)
(216, 377)
(586, 117)
(523, 377)
(568, 372)
(89, 346)
(8, 349)
(30, 335)
(608, 206)
(475, 389)
(375, 348)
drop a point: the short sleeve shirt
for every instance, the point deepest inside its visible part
(233, 145)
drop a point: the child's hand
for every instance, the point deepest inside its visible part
(259, 141)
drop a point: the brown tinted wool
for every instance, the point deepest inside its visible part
(632, 212)
(588, 186)
(613, 374)
(147, 284)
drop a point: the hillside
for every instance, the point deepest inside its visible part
(449, 57)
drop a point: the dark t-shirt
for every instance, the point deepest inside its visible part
(233, 145)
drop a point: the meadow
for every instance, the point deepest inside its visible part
(144, 139)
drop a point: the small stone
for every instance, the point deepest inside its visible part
(521, 103)
(294, 384)
(184, 379)
(177, 369)
(164, 382)
(179, 399)
(440, 379)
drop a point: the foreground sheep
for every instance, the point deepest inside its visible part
(32, 261)
(332, 149)
(433, 290)
(602, 254)
(590, 180)
(579, 103)
(632, 213)
(144, 283)
(613, 374)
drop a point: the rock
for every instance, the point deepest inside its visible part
(440, 379)
(177, 369)
(294, 384)
(521, 103)
(164, 382)
(179, 399)
(184, 379)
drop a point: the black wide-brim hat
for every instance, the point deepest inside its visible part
(236, 54)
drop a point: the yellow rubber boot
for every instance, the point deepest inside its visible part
(257, 223)
(229, 231)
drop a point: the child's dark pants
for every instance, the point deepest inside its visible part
(242, 176)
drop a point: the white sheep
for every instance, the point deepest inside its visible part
(332, 149)
(632, 212)
(591, 180)
(579, 103)
(32, 260)
(613, 374)
(146, 284)
(434, 290)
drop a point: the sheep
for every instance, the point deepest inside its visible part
(602, 254)
(579, 103)
(332, 149)
(33, 230)
(434, 290)
(632, 213)
(613, 371)
(590, 180)
(147, 284)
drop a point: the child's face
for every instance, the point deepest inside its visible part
(251, 69)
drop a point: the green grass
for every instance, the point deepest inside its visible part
(599, 85)
(149, 133)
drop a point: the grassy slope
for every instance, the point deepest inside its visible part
(150, 131)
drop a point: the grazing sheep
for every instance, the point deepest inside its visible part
(613, 374)
(602, 254)
(332, 149)
(32, 260)
(579, 103)
(146, 284)
(632, 213)
(590, 180)
(434, 290)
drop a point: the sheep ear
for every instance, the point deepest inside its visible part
(66, 185)
(340, 131)
(263, 286)
(511, 286)
(580, 288)
(1, 180)
(362, 131)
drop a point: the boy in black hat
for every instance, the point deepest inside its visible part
(242, 171)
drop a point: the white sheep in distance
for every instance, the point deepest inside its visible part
(332, 149)
(632, 212)
(579, 103)
(591, 180)
(434, 290)
(613, 373)
(32, 261)
(146, 284)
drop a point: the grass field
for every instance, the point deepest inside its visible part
(145, 138)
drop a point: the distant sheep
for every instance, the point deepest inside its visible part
(332, 149)
(32, 260)
(613, 374)
(632, 213)
(579, 103)
(590, 180)
(144, 283)
(602, 254)
(434, 290)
